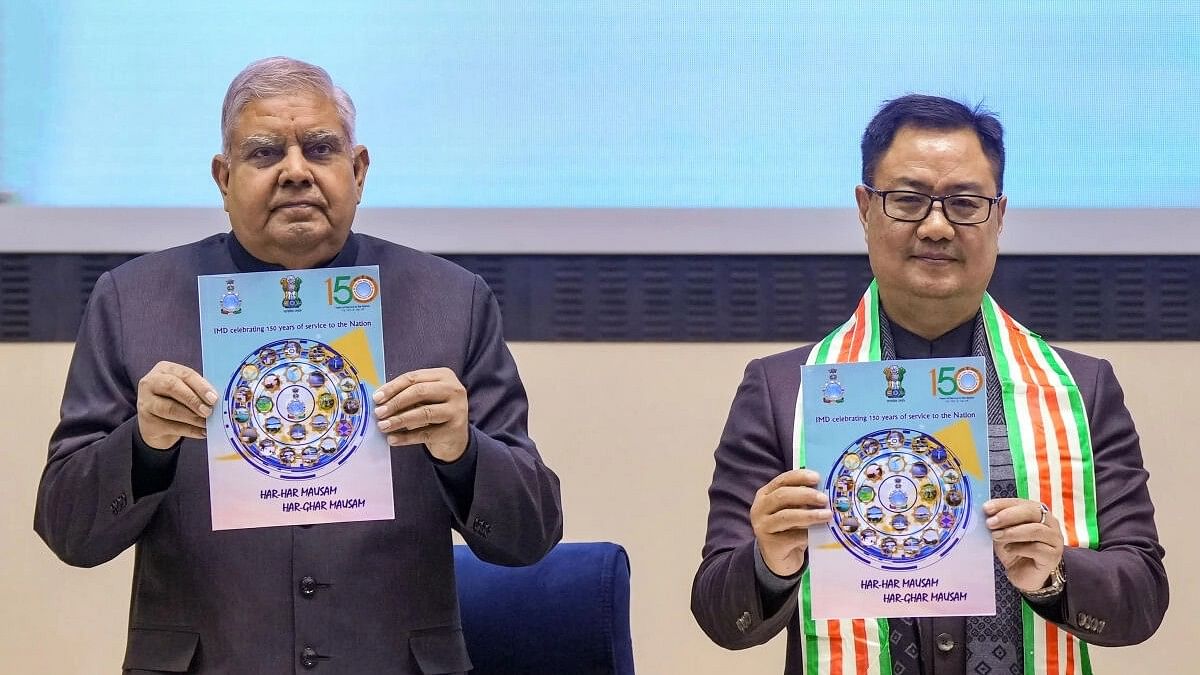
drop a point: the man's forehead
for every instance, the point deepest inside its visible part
(928, 141)
(920, 157)
(293, 115)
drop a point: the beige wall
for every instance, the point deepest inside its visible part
(630, 428)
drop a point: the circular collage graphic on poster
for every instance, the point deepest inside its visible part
(900, 500)
(295, 409)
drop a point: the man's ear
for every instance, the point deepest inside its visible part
(863, 197)
(220, 174)
(362, 161)
(1001, 207)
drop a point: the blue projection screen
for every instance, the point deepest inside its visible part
(720, 118)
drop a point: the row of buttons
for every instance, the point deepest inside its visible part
(481, 527)
(1091, 623)
(309, 658)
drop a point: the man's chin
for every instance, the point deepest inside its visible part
(299, 229)
(940, 287)
(303, 233)
(307, 241)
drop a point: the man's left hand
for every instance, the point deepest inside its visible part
(425, 406)
(1028, 545)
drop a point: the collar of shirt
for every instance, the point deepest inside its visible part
(958, 341)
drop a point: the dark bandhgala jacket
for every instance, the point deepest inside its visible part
(364, 597)
(1116, 595)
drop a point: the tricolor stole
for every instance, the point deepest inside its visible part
(1052, 459)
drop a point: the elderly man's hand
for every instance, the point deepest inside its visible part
(781, 514)
(1028, 545)
(425, 406)
(172, 403)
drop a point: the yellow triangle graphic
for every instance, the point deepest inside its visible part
(356, 349)
(961, 443)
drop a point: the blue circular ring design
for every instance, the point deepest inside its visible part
(295, 444)
(935, 537)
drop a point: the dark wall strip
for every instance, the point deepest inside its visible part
(702, 298)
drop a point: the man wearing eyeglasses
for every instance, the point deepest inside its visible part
(1077, 558)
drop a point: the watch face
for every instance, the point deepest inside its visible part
(295, 409)
(899, 499)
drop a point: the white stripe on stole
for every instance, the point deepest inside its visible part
(823, 654)
(846, 627)
(874, 645)
(1039, 645)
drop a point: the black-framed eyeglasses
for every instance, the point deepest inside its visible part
(913, 207)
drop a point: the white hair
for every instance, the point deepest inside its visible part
(281, 76)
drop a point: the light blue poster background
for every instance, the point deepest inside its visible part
(258, 332)
(901, 447)
(610, 104)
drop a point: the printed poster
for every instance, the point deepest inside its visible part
(902, 450)
(294, 356)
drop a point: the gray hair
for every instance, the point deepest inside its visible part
(281, 76)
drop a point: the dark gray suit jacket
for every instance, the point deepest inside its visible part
(366, 597)
(1116, 595)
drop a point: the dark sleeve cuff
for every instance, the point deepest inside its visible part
(773, 589)
(153, 469)
(458, 477)
(1050, 608)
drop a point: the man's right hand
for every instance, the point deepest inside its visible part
(781, 514)
(172, 403)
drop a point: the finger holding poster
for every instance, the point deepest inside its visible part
(902, 450)
(295, 356)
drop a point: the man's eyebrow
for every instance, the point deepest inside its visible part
(259, 140)
(911, 184)
(966, 187)
(322, 136)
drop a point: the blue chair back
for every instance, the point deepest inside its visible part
(566, 615)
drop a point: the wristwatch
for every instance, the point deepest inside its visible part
(1055, 586)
